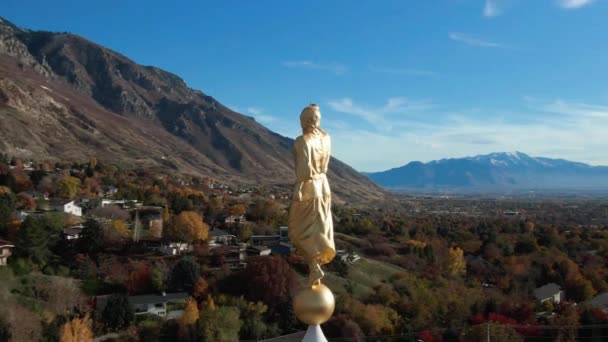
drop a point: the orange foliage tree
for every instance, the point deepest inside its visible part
(188, 318)
(77, 330)
(188, 226)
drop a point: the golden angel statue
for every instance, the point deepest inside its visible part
(310, 220)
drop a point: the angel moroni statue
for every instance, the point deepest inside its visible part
(310, 220)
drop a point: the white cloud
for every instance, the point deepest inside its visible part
(335, 68)
(260, 116)
(400, 71)
(474, 41)
(381, 117)
(574, 4)
(491, 9)
(549, 128)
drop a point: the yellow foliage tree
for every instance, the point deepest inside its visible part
(188, 226)
(77, 330)
(189, 317)
(166, 215)
(68, 187)
(457, 264)
(121, 227)
(5, 190)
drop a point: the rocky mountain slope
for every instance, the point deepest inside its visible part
(496, 171)
(63, 96)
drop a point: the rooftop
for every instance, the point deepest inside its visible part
(547, 291)
(599, 301)
(4, 243)
(153, 299)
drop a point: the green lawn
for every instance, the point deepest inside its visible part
(363, 275)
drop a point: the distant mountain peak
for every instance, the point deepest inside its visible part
(497, 170)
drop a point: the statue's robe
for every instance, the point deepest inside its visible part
(310, 221)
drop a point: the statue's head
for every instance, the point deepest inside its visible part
(310, 119)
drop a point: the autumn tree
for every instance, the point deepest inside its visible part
(116, 234)
(566, 324)
(188, 319)
(374, 319)
(68, 187)
(245, 232)
(77, 330)
(188, 226)
(457, 264)
(498, 332)
(25, 201)
(21, 182)
(139, 277)
(158, 276)
(342, 327)
(237, 209)
(221, 325)
(270, 280)
(253, 326)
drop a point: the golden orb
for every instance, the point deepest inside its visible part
(314, 305)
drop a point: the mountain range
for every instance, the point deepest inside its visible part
(495, 171)
(65, 97)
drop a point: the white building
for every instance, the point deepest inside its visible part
(5, 251)
(73, 233)
(67, 207)
(156, 304)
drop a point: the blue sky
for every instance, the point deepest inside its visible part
(396, 80)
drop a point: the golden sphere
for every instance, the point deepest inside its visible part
(314, 305)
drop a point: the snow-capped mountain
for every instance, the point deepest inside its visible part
(496, 171)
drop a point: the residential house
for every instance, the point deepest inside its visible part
(121, 203)
(256, 251)
(599, 302)
(550, 292)
(109, 191)
(72, 233)
(230, 256)
(265, 240)
(235, 219)
(68, 207)
(5, 251)
(156, 304)
(221, 237)
(159, 305)
(348, 257)
(22, 215)
(150, 220)
(174, 248)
